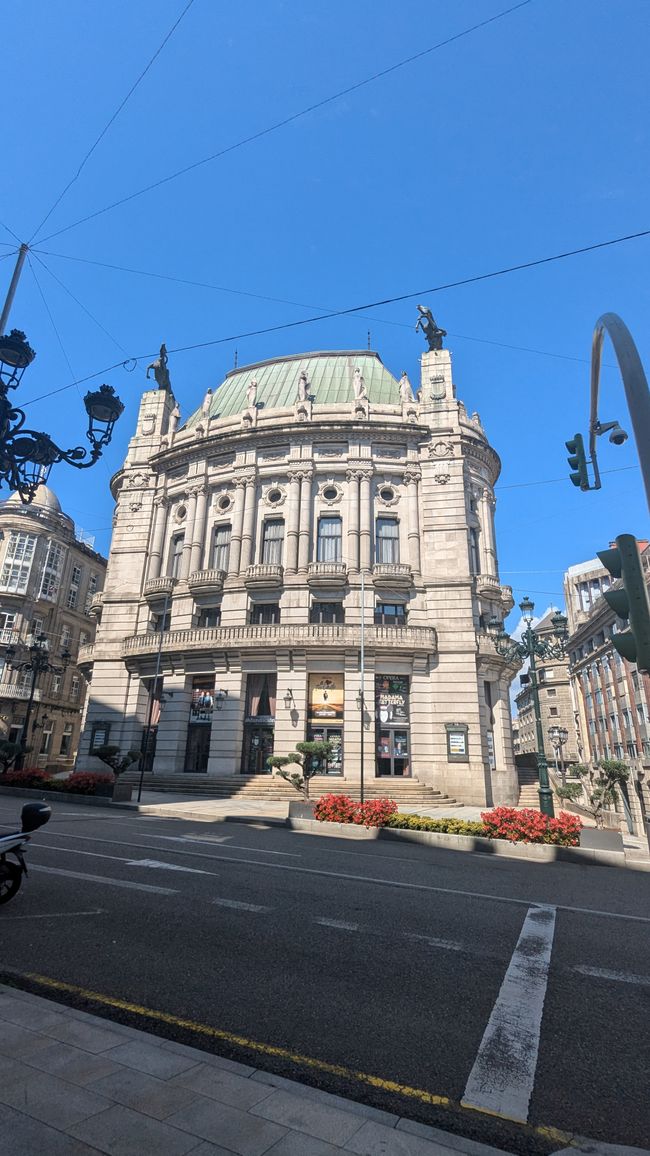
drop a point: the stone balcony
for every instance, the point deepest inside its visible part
(392, 575)
(409, 639)
(95, 605)
(206, 581)
(16, 690)
(263, 576)
(86, 655)
(489, 587)
(327, 575)
(9, 637)
(157, 589)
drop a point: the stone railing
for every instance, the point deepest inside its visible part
(95, 605)
(86, 654)
(264, 575)
(407, 638)
(14, 690)
(395, 574)
(9, 637)
(487, 586)
(327, 574)
(206, 581)
(157, 588)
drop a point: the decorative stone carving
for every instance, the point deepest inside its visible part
(405, 389)
(251, 393)
(274, 495)
(431, 332)
(303, 387)
(441, 449)
(330, 493)
(160, 371)
(386, 493)
(411, 476)
(136, 482)
(359, 386)
(148, 424)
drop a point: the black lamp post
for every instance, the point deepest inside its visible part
(559, 737)
(27, 456)
(532, 646)
(37, 662)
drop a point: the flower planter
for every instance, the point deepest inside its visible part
(121, 792)
(301, 810)
(104, 790)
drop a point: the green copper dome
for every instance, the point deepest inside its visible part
(330, 376)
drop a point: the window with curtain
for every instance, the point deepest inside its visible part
(327, 612)
(261, 695)
(264, 614)
(272, 537)
(328, 546)
(18, 562)
(175, 555)
(66, 740)
(221, 547)
(210, 618)
(474, 552)
(387, 540)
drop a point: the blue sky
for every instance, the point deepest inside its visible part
(523, 139)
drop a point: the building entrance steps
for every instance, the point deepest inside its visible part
(273, 788)
(528, 787)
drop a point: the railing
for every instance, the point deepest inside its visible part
(487, 586)
(9, 637)
(328, 573)
(15, 690)
(95, 604)
(158, 587)
(86, 653)
(392, 574)
(206, 580)
(314, 634)
(264, 574)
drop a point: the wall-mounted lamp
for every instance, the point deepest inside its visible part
(360, 699)
(289, 700)
(219, 697)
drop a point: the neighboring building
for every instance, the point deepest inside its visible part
(48, 579)
(516, 741)
(241, 544)
(556, 704)
(611, 697)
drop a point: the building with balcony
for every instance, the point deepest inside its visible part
(49, 579)
(555, 701)
(312, 554)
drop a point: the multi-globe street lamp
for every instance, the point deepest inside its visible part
(34, 660)
(559, 737)
(532, 646)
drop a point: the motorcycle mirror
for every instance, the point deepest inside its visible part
(34, 815)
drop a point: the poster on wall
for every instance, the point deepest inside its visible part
(202, 704)
(392, 699)
(326, 697)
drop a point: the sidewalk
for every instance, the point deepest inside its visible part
(73, 1084)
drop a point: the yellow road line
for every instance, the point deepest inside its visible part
(420, 1094)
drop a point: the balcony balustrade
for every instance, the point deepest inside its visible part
(263, 576)
(9, 637)
(86, 654)
(207, 581)
(17, 690)
(392, 575)
(332, 636)
(157, 589)
(487, 586)
(327, 575)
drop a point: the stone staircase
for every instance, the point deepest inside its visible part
(272, 788)
(528, 787)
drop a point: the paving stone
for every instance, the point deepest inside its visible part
(20, 1134)
(121, 1132)
(237, 1131)
(377, 1140)
(18, 1042)
(223, 1086)
(146, 1057)
(89, 1037)
(310, 1116)
(200, 1056)
(71, 1064)
(299, 1144)
(38, 1019)
(449, 1140)
(48, 1098)
(143, 1093)
(310, 1093)
(207, 1149)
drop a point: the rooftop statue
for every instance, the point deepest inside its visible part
(303, 387)
(432, 334)
(359, 387)
(251, 394)
(207, 402)
(405, 389)
(160, 371)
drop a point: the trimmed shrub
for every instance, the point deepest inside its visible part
(529, 826)
(28, 777)
(443, 826)
(84, 782)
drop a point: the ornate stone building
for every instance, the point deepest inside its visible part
(556, 704)
(313, 519)
(48, 581)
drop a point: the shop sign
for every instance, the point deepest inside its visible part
(457, 745)
(326, 696)
(202, 704)
(392, 699)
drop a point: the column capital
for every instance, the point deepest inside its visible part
(410, 477)
(161, 501)
(244, 480)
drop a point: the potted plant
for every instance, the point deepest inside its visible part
(118, 763)
(309, 759)
(598, 788)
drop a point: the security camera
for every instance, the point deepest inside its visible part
(618, 436)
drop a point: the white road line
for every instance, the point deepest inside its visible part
(338, 924)
(165, 866)
(59, 914)
(617, 976)
(445, 944)
(104, 879)
(237, 904)
(501, 1081)
(173, 839)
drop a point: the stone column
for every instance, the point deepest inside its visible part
(411, 481)
(353, 520)
(304, 540)
(249, 526)
(160, 523)
(293, 516)
(237, 521)
(189, 535)
(197, 559)
(487, 533)
(365, 520)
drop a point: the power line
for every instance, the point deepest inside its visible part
(112, 119)
(14, 235)
(549, 481)
(289, 119)
(52, 321)
(78, 302)
(359, 308)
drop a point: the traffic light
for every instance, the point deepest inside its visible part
(578, 462)
(630, 601)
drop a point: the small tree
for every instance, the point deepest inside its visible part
(8, 754)
(309, 757)
(600, 784)
(118, 763)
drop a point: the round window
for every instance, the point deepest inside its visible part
(275, 496)
(224, 502)
(181, 513)
(386, 494)
(330, 494)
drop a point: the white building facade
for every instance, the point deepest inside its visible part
(312, 555)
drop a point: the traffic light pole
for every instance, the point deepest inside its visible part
(636, 390)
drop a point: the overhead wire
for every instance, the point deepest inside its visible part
(112, 119)
(360, 308)
(289, 119)
(79, 303)
(14, 235)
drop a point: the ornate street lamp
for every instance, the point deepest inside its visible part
(27, 456)
(559, 737)
(532, 646)
(35, 659)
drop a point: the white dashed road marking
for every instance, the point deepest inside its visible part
(338, 924)
(104, 879)
(237, 904)
(617, 976)
(165, 866)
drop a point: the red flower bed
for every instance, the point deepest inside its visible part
(529, 826)
(84, 782)
(343, 809)
(28, 777)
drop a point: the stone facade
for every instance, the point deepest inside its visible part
(49, 582)
(310, 504)
(556, 704)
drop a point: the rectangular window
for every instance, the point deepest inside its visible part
(221, 547)
(56, 684)
(91, 592)
(52, 572)
(75, 686)
(73, 592)
(210, 618)
(327, 612)
(66, 638)
(551, 692)
(328, 544)
(18, 562)
(8, 632)
(66, 741)
(161, 622)
(387, 540)
(83, 638)
(175, 555)
(46, 738)
(474, 552)
(272, 536)
(264, 614)
(390, 614)
(553, 710)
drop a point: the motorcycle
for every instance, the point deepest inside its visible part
(33, 816)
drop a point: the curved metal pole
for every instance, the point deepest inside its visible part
(636, 390)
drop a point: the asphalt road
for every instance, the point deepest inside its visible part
(477, 985)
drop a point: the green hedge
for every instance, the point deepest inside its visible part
(444, 826)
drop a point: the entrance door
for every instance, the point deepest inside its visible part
(198, 749)
(258, 745)
(393, 752)
(333, 735)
